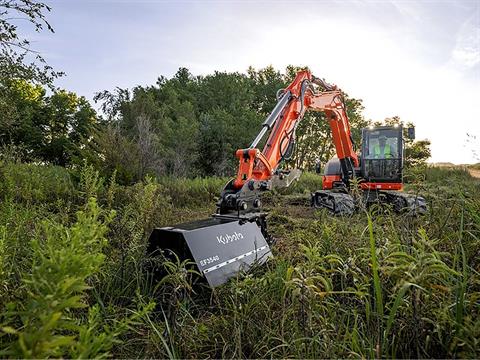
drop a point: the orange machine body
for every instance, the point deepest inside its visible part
(329, 182)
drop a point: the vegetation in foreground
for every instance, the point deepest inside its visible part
(73, 283)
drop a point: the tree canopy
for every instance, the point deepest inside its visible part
(50, 128)
(185, 125)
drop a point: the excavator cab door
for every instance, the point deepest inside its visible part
(382, 154)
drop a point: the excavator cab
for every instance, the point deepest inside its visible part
(381, 159)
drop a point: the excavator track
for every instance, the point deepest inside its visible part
(405, 203)
(338, 203)
(344, 204)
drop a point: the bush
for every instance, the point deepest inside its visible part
(35, 183)
(62, 261)
(196, 192)
(309, 182)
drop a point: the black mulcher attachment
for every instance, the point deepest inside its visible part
(231, 241)
(219, 247)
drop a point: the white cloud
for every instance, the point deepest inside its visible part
(467, 47)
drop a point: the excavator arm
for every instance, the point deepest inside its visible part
(256, 168)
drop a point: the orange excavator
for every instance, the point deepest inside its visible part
(236, 236)
(377, 170)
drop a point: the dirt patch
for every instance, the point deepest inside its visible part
(475, 173)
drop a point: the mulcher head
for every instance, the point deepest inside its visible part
(220, 247)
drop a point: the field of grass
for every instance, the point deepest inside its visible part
(73, 284)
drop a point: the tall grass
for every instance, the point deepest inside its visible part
(73, 281)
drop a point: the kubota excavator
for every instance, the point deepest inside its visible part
(236, 236)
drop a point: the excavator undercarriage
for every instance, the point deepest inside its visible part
(344, 204)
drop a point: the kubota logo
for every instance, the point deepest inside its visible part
(225, 239)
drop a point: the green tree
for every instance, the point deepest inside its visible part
(68, 119)
(49, 128)
(22, 103)
(265, 84)
(417, 153)
(230, 116)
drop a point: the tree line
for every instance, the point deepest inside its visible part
(185, 125)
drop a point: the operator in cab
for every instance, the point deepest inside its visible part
(383, 150)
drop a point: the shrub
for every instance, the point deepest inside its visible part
(35, 183)
(62, 261)
(190, 193)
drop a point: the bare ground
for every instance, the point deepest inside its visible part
(474, 173)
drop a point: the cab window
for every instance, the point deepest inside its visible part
(381, 145)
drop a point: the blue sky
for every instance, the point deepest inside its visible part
(418, 60)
